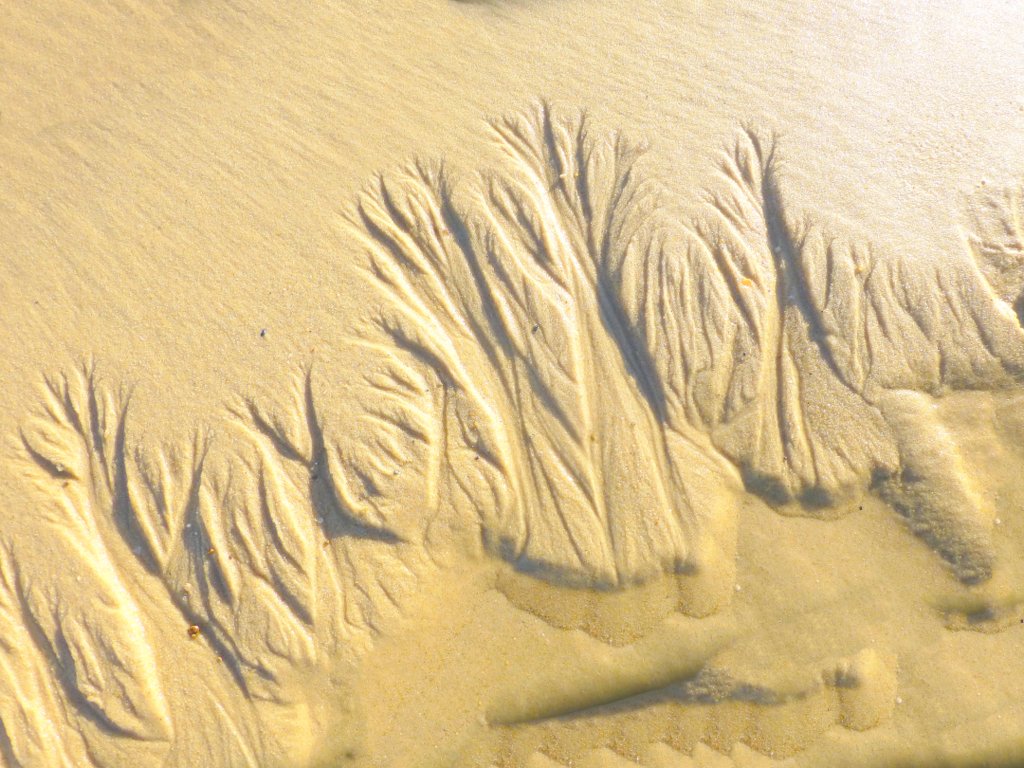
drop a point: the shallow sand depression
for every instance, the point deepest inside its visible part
(528, 383)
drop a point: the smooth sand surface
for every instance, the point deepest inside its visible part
(511, 383)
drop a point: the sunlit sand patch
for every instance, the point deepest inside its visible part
(565, 397)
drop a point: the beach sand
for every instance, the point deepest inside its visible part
(511, 383)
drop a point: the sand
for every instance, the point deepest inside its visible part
(511, 383)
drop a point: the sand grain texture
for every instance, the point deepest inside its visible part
(350, 422)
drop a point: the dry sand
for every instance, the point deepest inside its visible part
(511, 383)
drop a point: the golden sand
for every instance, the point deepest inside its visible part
(528, 383)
